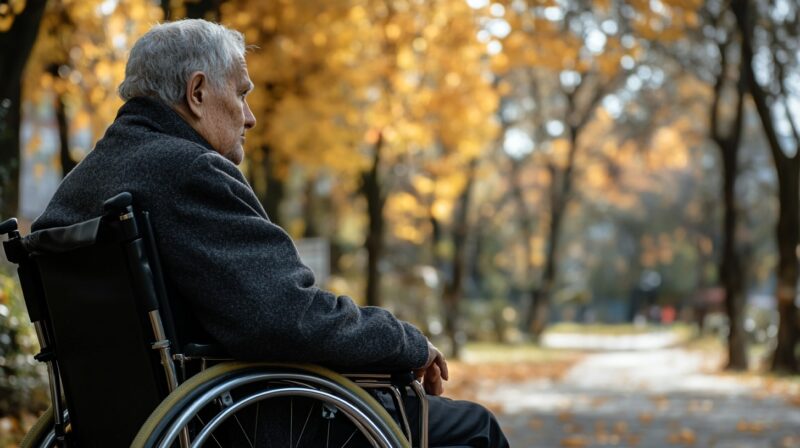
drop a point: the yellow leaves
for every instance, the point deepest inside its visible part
(319, 39)
(358, 13)
(88, 42)
(342, 74)
(419, 44)
(537, 255)
(8, 11)
(269, 23)
(596, 177)
(669, 149)
(81, 120)
(38, 171)
(393, 31)
(559, 149)
(754, 427)
(423, 185)
(683, 436)
(442, 209)
(500, 63)
(5, 22)
(406, 213)
(33, 144)
(575, 441)
(405, 59)
(16, 6)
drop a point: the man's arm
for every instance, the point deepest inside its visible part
(248, 287)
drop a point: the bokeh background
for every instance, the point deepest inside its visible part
(534, 183)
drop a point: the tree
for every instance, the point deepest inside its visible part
(588, 48)
(356, 88)
(769, 56)
(77, 63)
(18, 30)
(727, 137)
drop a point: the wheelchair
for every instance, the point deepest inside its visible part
(122, 374)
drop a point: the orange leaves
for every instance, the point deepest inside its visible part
(332, 76)
(87, 43)
(682, 436)
(8, 11)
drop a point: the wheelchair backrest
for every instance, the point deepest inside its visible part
(99, 284)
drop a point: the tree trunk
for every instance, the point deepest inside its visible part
(198, 9)
(371, 188)
(453, 290)
(539, 311)
(15, 47)
(536, 307)
(268, 184)
(784, 359)
(67, 162)
(788, 170)
(309, 223)
(730, 267)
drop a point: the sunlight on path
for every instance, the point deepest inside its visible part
(659, 398)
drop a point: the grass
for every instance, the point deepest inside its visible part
(487, 352)
(617, 329)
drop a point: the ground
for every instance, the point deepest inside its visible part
(664, 397)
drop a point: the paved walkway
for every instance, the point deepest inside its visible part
(659, 398)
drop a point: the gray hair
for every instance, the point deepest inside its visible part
(162, 60)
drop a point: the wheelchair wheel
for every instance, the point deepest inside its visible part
(250, 405)
(42, 434)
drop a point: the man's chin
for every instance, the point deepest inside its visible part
(236, 155)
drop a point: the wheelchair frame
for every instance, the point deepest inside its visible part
(347, 392)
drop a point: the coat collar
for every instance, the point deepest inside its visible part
(157, 115)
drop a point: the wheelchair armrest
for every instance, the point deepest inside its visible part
(194, 350)
(397, 379)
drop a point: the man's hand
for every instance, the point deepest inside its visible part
(434, 371)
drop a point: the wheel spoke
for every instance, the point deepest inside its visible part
(212, 434)
(244, 433)
(291, 420)
(255, 425)
(328, 435)
(304, 425)
(349, 438)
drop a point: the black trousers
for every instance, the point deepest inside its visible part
(451, 423)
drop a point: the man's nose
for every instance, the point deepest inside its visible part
(249, 118)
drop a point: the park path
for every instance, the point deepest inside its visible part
(657, 398)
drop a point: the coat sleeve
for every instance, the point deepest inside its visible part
(243, 277)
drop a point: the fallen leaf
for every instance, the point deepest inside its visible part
(684, 436)
(575, 442)
(633, 439)
(621, 427)
(565, 416)
(646, 417)
(753, 427)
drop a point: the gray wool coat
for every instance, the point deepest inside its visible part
(237, 272)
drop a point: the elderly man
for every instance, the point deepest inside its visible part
(175, 145)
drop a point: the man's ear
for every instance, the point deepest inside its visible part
(196, 93)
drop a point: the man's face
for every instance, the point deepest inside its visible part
(229, 116)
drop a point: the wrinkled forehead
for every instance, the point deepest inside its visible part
(240, 73)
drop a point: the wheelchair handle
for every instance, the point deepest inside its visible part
(8, 226)
(118, 203)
